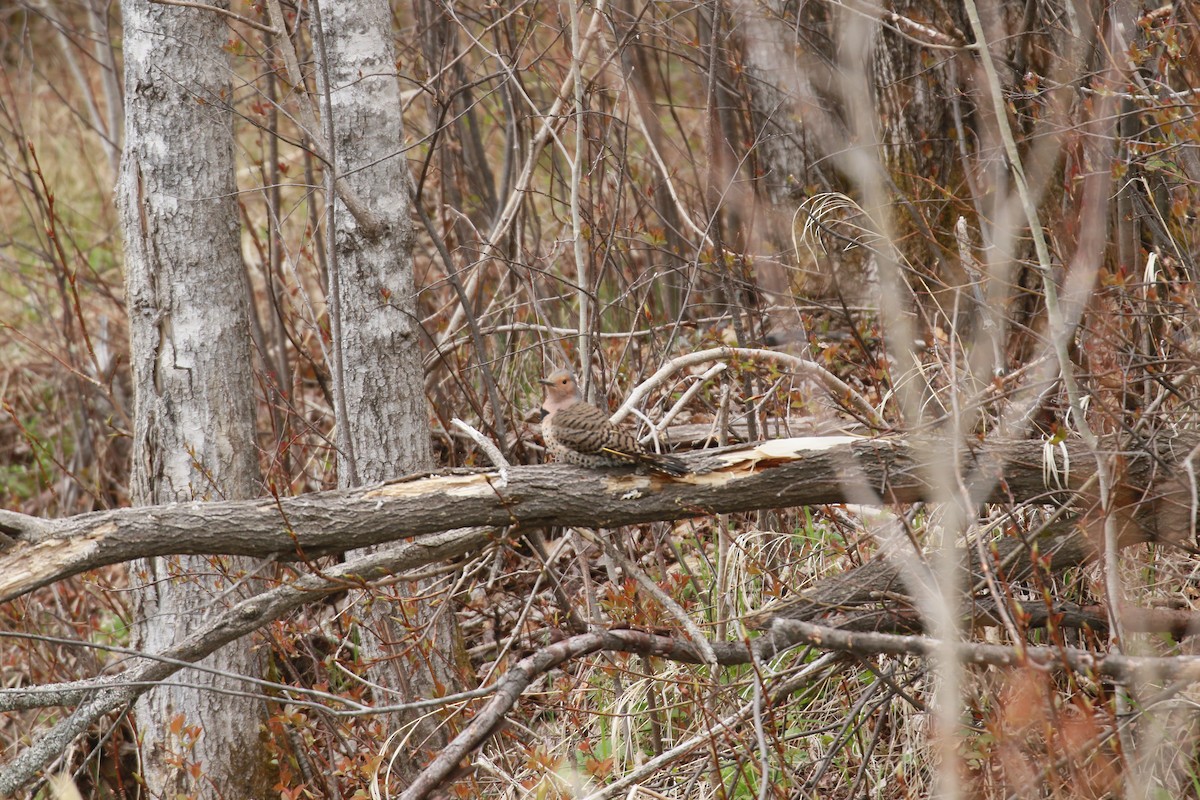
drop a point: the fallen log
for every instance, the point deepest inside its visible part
(426, 510)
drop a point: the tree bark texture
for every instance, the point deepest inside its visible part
(792, 121)
(428, 510)
(381, 342)
(188, 305)
(383, 377)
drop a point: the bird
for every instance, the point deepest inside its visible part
(580, 434)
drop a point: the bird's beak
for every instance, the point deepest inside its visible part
(545, 382)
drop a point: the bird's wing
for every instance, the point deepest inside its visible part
(586, 429)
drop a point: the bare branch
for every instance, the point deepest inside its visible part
(806, 368)
(258, 26)
(774, 474)
(528, 669)
(1121, 668)
(240, 620)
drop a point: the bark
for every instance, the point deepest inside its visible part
(386, 420)
(380, 339)
(194, 399)
(792, 121)
(793, 472)
(100, 696)
(784, 635)
(804, 143)
(798, 136)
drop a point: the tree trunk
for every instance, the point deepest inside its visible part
(791, 121)
(409, 644)
(801, 132)
(194, 406)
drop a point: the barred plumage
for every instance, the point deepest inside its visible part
(581, 434)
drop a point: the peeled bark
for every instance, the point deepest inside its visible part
(194, 397)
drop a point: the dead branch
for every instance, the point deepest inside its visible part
(527, 670)
(427, 509)
(1124, 669)
(784, 634)
(107, 694)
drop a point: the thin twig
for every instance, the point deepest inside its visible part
(370, 224)
(258, 26)
(238, 621)
(804, 367)
(489, 447)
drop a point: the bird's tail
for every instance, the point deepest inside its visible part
(667, 465)
(655, 462)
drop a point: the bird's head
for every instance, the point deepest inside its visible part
(561, 390)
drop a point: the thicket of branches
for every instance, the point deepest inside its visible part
(982, 222)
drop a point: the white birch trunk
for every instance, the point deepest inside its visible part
(381, 344)
(189, 340)
(380, 341)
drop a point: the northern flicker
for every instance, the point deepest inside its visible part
(580, 433)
